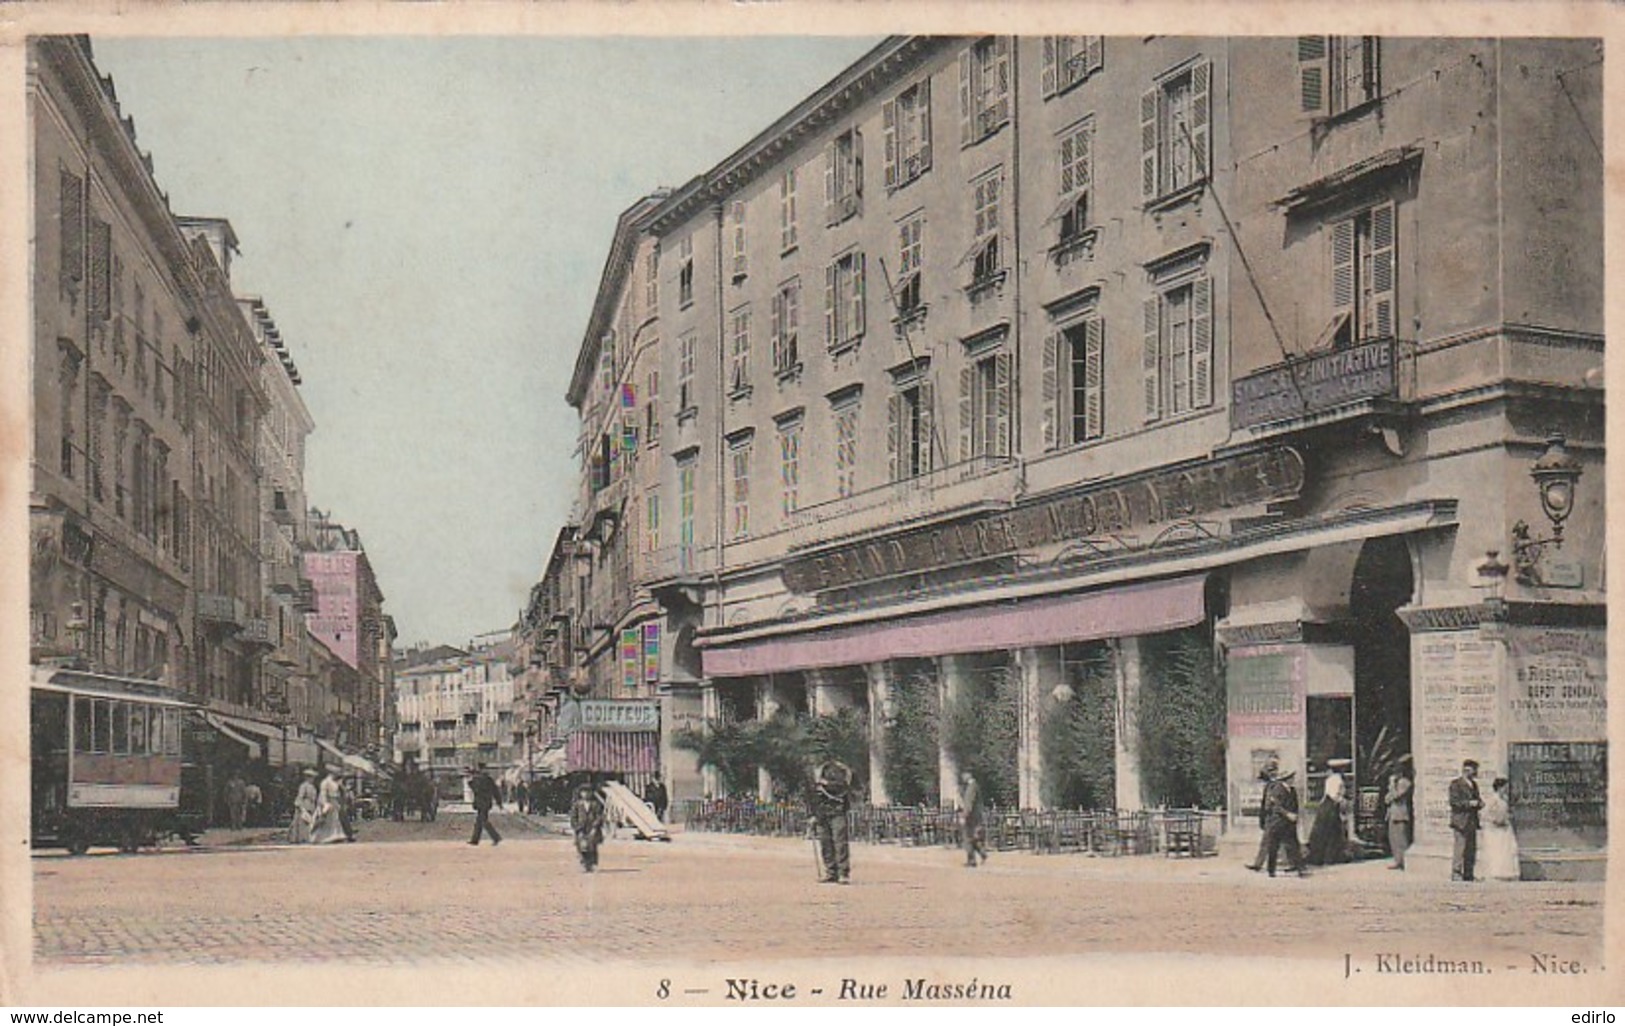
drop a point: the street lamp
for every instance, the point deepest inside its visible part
(1555, 474)
(1492, 580)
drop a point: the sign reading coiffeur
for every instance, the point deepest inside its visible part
(608, 715)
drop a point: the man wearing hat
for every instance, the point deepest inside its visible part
(484, 791)
(1266, 775)
(1281, 808)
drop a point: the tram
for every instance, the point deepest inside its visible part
(106, 759)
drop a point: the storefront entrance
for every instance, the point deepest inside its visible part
(1383, 582)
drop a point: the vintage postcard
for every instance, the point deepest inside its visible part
(696, 505)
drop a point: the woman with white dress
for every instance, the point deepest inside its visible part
(327, 827)
(1498, 850)
(304, 809)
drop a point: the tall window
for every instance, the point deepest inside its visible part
(685, 272)
(907, 122)
(651, 407)
(789, 225)
(1074, 384)
(1174, 140)
(910, 232)
(844, 301)
(68, 388)
(737, 216)
(739, 367)
(1077, 180)
(739, 488)
(651, 519)
(1363, 275)
(651, 281)
(1069, 60)
(846, 447)
(685, 511)
(984, 255)
(71, 223)
(843, 176)
(685, 373)
(786, 327)
(984, 407)
(984, 89)
(790, 467)
(1338, 73)
(1177, 358)
(909, 418)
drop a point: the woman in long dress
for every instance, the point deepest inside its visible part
(1498, 851)
(304, 809)
(1327, 838)
(328, 827)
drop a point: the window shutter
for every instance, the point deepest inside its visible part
(72, 228)
(967, 382)
(1094, 374)
(967, 115)
(777, 319)
(1151, 359)
(856, 328)
(1051, 385)
(888, 117)
(1201, 137)
(928, 431)
(1068, 151)
(829, 306)
(1148, 145)
(101, 246)
(923, 139)
(832, 212)
(1001, 407)
(1342, 268)
(894, 421)
(857, 162)
(1097, 54)
(1001, 80)
(1049, 66)
(1382, 269)
(784, 213)
(1371, 55)
(1312, 71)
(1201, 343)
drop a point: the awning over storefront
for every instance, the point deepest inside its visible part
(280, 746)
(225, 728)
(624, 752)
(1116, 612)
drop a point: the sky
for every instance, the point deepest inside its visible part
(427, 220)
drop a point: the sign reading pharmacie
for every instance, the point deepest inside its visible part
(1232, 482)
(1314, 383)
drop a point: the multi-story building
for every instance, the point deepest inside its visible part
(454, 709)
(348, 619)
(1175, 402)
(543, 642)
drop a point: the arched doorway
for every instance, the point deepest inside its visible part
(1383, 581)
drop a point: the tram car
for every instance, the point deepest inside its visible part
(106, 759)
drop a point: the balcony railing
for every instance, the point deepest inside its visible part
(220, 608)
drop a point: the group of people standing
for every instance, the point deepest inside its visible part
(1472, 816)
(322, 812)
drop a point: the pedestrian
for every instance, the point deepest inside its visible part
(1399, 816)
(1266, 776)
(253, 801)
(347, 810)
(655, 794)
(587, 823)
(304, 808)
(326, 826)
(1328, 837)
(521, 797)
(484, 792)
(1281, 803)
(973, 833)
(236, 800)
(1464, 806)
(830, 799)
(1500, 842)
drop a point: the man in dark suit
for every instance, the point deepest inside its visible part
(484, 791)
(1281, 807)
(830, 799)
(1464, 806)
(1266, 776)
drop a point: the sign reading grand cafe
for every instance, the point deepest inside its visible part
(1329, 636)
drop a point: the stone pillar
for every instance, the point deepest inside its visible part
(880, 711)
(1126, 663)
(767, 706)
(827, 693)
(1041, 674)
(951, 672)
(711, 710)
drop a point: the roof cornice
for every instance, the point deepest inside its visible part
(629, 227)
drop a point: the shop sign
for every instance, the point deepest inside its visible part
(1312, 384)
(1559, 682)
(1265, 690)
(1230, 483)
(601, 715)
(1559, 787)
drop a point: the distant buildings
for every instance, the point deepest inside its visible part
(1105, 415)
(454, 709)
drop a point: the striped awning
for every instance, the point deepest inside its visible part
(635, 751)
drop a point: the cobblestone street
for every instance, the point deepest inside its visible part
(416, 893)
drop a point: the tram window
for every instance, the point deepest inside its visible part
(155, 731)
(172, 732)
(102, 740)
(138, 730)
(121, 728)
(83, 719)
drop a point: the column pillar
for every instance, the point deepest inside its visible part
(1127, 664)
(767, 706)
(951, 672)
(880, 712)
(827, 693)
(1041, 674)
